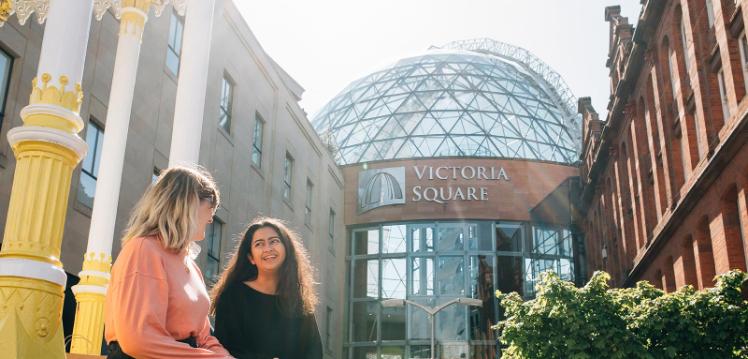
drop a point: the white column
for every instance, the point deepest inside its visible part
(90, 292)
(193, 80)
(118, 113)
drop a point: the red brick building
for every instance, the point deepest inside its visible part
(665, 175)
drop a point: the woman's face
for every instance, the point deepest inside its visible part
(266, 250)
(204, 216)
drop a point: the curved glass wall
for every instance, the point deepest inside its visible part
(433, 262)
(450, 103)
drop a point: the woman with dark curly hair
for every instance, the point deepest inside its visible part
(264, 301)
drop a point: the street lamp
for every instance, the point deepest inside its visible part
(431, 311)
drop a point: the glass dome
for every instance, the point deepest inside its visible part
(474, 98)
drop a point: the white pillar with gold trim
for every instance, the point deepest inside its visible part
(90, 292)
(47, 149)
(192, 85)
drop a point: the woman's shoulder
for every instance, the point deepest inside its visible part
(142, 255)
(143, 243)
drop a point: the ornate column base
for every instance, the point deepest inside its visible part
(90, 294)
(30, 326)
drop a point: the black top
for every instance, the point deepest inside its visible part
(249, 324)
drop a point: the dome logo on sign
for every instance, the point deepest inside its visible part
(380, 187)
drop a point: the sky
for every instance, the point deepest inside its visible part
(326, 44)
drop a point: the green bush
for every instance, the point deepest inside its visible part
(595, 321)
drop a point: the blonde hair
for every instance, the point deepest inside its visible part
(168, 208)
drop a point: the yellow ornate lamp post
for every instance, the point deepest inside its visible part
(91, 291)
(47, 149)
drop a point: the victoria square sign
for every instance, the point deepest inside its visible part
(439, 184)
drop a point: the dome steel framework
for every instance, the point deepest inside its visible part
(474, 98)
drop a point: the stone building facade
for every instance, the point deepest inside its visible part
(256, 141)
(665, 176)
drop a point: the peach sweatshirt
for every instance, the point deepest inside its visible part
(156, 297)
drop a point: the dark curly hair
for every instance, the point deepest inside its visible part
(296, 285)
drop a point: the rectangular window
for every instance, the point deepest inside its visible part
(331, 229)
(723, 94)
(6, 64)
(90, 165)
(174, 51)
(673, 68)
(287, 173)
(213, 237)
(709, 13)
(224, 116)
(743, 43)
(328, 327)
(257, 141)
(684, 42)
(308, 203)
(156, 173)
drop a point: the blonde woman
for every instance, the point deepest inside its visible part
(157, 305)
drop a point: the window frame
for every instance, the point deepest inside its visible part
(176, 22)
(308, 202)
(216, 228)
(5, 86)
(257, 141)
(287, 181)
(743, 50)
(331, 229)
(94, 151)
(328, 329)
(226, 104)
(722, 86)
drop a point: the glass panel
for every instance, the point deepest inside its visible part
(451, 276)
(393, 239)
(420, 352)
(393, 353)
(479, 236)
(86, 190)
(451, 237)
(91, 134)
(566, 269)
(172, 61)
(366, 279)
(214, 238)
(5, 66)
(364, 321)
(393, 278)
(364, 353)
(566, 244)
(453, 350)
(509, 237)
(481, 281)
(481, 277)
(256, 157)
(257, 139)
(420, 326)
(366, 242)
(533, 269)
(422, 239)
(422, 276)
(509, 274)
(393, 323)
(544, 241)
(212, 270)
(450, 322)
